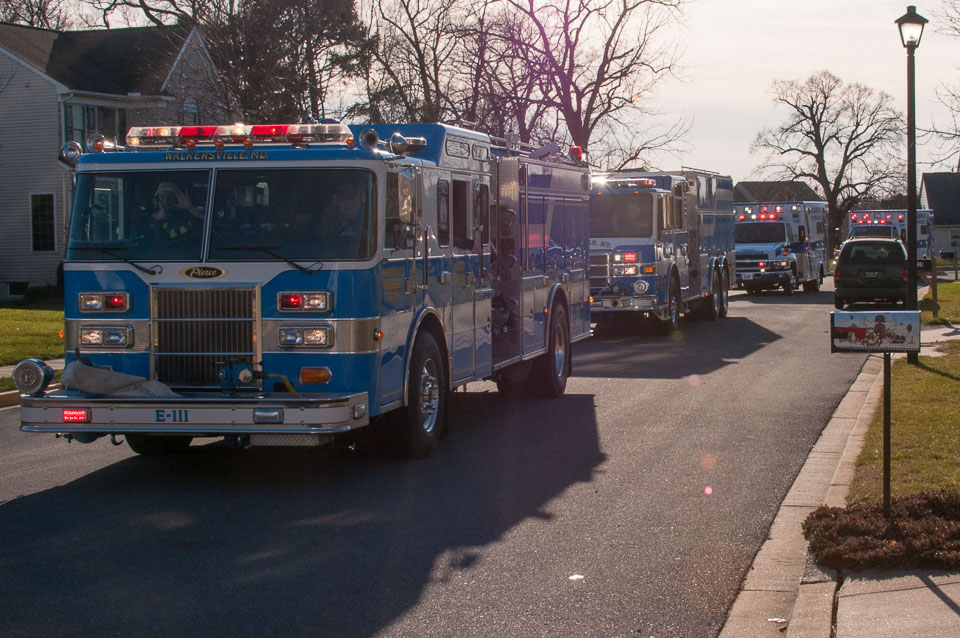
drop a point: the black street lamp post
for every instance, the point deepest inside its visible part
(911, 30)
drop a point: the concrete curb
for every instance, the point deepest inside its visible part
(9, 398)
(13, 396)
(784, 590)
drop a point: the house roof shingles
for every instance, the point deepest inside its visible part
(112, 61)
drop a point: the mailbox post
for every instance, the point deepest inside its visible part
(951, 255)
(884, 332)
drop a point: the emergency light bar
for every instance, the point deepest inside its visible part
(219, 136)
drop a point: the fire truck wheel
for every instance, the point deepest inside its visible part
(711, 304)
(551, 369)
(157, 445)
(421, 423)
(672, 322)
(724, 293)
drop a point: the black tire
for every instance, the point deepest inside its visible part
(724, 293)
(420, 424)
(838, 303)
(551, 369)
(158, 444)
(711, 304)
(672, 323)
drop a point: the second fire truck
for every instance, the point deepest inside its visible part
(661, 244)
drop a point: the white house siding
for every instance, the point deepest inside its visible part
(29, 142)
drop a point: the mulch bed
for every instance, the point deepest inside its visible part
(923, 532)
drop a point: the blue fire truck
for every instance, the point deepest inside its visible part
(661, 244)
(289, 284)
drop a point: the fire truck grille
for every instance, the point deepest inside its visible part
(599, 270)
(198, 329)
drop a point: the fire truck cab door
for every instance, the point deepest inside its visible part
(676, 238)
(470, 302)
(400, 275)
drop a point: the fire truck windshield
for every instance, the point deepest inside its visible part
(302, 214)
(138, 215)
(621, 215)
(305, 214)
(761, 233)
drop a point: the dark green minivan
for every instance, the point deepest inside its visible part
(870, 269)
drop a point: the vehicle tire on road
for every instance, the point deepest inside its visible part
(417, 431)
(725, 292)
(548, 378)
(672, 323)
(838, 303)
(711, 305)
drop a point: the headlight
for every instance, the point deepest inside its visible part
(107, 337)
(626, 271)
(317, 337)
(304, 301)
(103, 301)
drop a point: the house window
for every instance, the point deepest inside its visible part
(82, 120)
(190, 112)
(17, 288)
(42, 225)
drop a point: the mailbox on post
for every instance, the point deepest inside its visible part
(884, 331)
(878, 331)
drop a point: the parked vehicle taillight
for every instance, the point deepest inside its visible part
(836, 274)
(904, 275)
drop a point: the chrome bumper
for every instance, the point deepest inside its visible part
(196, 415)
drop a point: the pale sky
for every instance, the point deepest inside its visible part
(735, 49)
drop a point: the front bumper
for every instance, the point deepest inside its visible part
(622, 304)
(197, 415)
(770, 279)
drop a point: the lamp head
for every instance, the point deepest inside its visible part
(911, 27)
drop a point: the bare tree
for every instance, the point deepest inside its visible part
(602, 62)
(844, 138)
(410, 71)
(278, 59)
(501, 88)
(45, 14)
(947, 134)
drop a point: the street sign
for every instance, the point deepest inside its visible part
(876, 331)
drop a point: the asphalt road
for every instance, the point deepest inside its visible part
(633, 506)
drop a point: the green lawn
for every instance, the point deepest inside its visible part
(32, 331)
(948, 298)
(925, 431)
